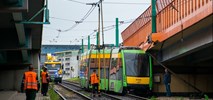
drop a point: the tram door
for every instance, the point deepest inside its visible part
(115, 77)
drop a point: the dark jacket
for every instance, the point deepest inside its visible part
(167, 78)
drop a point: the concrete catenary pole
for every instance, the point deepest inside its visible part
(153, 16)
(97, 39)
(82, 46)
(88, 42)
(116, 34)
(150, 37)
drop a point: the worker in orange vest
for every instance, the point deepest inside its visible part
(30, 84)
(45, 81)
(94, 81)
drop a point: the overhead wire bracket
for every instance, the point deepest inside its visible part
(46, 16)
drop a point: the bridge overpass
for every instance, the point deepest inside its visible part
(20, 43)
(183, 42)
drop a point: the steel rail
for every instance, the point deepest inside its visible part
(115, 97)
(79, 93)
(60, 94)
(135, 96)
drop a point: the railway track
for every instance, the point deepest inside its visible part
(89, 94)
(137, 97)
(106, 96)
(78, 95)
(61, 96)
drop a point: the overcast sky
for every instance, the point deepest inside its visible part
(64, 13)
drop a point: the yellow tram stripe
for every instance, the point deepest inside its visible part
(116, 55)
(101, 55)
(137, 80)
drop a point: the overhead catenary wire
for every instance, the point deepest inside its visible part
(90, 21)
(63, 19)
(77, 1)
(126, 3)
(177, 5)
(112, 27)
(78, 22)
(50, 28)
(82, 19)
(106, 28)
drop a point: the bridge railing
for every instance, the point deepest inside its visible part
(172, 17)
(181, 14)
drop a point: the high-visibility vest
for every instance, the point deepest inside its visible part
(30, 81)
(44, 77)
(93, 78)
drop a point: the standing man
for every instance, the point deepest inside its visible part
(167, 81)
(94, 82)
(30, 84)
(45, 82)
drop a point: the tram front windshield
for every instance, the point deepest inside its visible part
(137, 64)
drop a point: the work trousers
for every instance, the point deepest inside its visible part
(44, 89)
(30, 94)
(94, 88)
(168, 91)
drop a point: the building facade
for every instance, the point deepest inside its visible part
(55, 48)
(64, 53)
(69, 62)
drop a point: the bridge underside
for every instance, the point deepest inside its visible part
(189, 54)
(192, 47)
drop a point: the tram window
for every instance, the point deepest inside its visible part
(113, 66)
(119, 69)
(93, 63)
(145, 66)
(136, 64)
(92, 60)
(119, 63)
(114, 62)
(107, 62)
(102, 73)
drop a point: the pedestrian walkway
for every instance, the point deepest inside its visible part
(14, 95)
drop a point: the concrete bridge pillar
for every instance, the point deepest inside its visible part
(36, 62)
(11, 76)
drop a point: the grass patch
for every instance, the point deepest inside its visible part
(74, 79)
(52, 93)
(153, 98)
